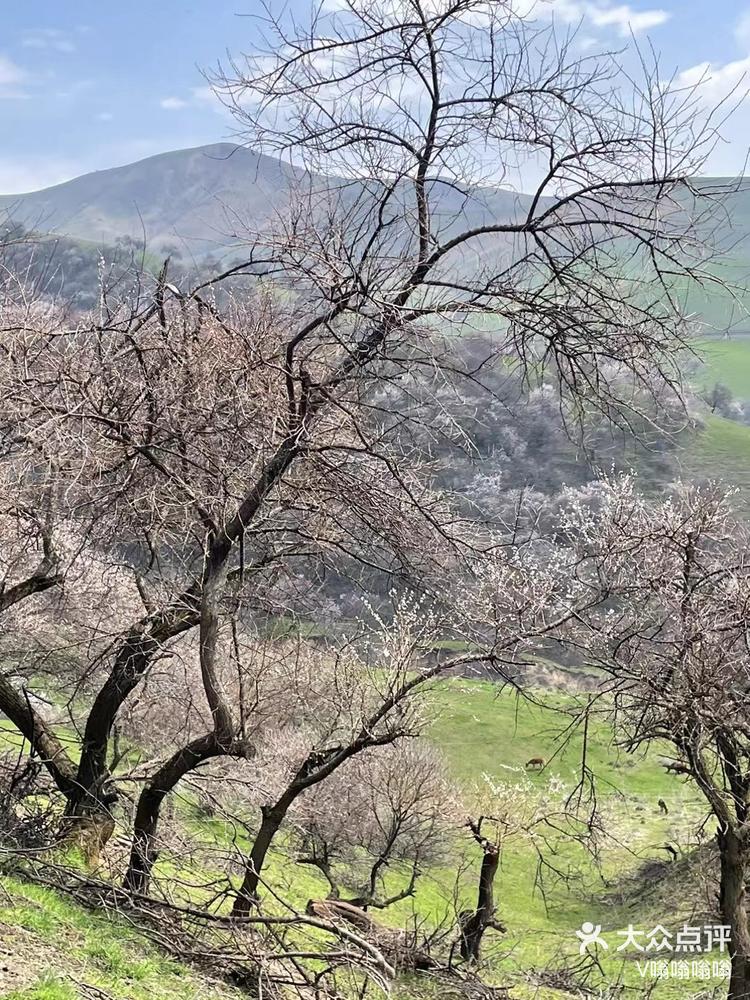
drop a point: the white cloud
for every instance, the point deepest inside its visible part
(12, 78)
(728, 82)
(199, 96)
(716, 82)
(622, 17)
(625, 19)
(203, 94)
(48, 38)
(173, 104)
(10, 74)
(742, 30)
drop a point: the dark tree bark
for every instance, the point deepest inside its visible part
(272, 818)
(41, 739)
(729, 802)
(15, 704)
(151, 634)
(473, 924)
(135, 654)
(145, 827)
(322, 763)
(221, 741)
(735, 859)
(35, 584)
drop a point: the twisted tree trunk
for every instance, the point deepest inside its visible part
(219, 742)
(273, 817)
(143, 851)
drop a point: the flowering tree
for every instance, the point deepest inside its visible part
(386, 813)
(177, 462)
(670, 637)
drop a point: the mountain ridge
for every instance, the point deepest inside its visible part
(200, 202)
(199, 195)
(188, 194)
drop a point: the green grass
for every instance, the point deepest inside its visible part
(726, 360)
(481, 730)
(718, 306)
(288, 627)
(721, 449)
(48, 987)
(57, 945)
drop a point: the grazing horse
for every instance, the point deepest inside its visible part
(535, 762)
(663, 807)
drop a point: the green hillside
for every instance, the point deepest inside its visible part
(726, 360)
(482, 731)
(53, 949)
(204, 200)
(721, 448)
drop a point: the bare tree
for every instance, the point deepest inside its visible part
(409, 103)
(407, 116)
(205, 452)
(505, 811)
(388, 813)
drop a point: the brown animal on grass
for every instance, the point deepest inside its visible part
(663, 807)
(89, 834)
(535, 762)
(677, 768)
(395, 945)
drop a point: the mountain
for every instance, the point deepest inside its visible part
(204, 199)
(199, 197)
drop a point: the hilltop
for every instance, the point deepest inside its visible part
(203, 199)
(192, 194)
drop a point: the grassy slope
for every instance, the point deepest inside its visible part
(727, 361)
(481, 731)
(722, 450)
(53, 949)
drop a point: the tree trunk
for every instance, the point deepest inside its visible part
(40, 736)
(152, 632)
(273, 817)
(473, 925)
(143, 851)
(735, 856)
(136, 652)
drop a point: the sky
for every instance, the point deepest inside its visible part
(90, 84)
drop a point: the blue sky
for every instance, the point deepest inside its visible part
(86, 84)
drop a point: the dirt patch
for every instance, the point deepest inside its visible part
(23, 958)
